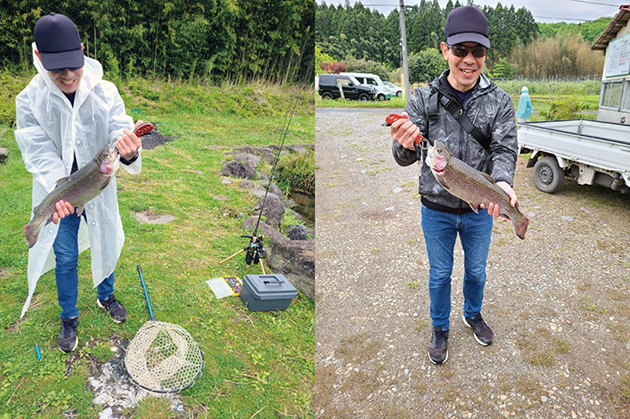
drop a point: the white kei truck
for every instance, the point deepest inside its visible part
(588, 151)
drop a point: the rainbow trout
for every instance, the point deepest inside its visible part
(472, 186)
(80, 187)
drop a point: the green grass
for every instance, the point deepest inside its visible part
(395, 103)
(296, 172)
(255, 362)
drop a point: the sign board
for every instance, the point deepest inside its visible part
(618, 57)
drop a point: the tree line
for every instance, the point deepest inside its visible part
(357, 34)
(211, 39)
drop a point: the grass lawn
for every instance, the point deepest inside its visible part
(257, 364)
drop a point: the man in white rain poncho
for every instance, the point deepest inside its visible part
(525, 107)
(64, 116)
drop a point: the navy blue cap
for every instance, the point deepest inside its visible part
(466, 24)
(58, 42)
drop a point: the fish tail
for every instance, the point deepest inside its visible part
(521, 227)
(31, 232)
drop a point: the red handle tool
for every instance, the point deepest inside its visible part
(143, 128)
(140, 129)
(392, 117)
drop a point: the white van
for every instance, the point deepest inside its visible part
(382, 92)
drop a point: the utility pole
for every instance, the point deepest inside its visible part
(403, 35)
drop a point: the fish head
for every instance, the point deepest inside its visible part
(108, 160)
(438, 157)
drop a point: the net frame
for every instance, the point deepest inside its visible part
(173, 364)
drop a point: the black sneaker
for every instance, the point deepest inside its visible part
(483, 333)
(67, 340)
(116, 310)
(438, 348)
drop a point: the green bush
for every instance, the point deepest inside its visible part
(426, 65)
(569, 108)
(502, 70)
(297, 172)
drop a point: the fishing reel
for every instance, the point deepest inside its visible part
(254, 250)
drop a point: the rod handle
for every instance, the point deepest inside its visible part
(146, 294)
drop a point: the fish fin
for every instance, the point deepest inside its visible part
(487, 176)
(521, 228)
(80, 210)
(36, 209)
(442, 182)
(474, 207)
(62, 180)
(31, 232)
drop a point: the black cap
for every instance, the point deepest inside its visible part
(58, 42)
(466, 24)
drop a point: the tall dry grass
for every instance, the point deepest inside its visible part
(564, 55)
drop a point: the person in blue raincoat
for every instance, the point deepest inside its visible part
(525, 107)
(64, 116)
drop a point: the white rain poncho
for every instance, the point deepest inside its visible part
(50, 132)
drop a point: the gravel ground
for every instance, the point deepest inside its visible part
(557, 301)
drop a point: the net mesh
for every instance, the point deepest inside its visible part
(163, 357)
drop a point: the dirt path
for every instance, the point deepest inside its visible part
(558, 302)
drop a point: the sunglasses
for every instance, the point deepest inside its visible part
(61, 70)
(462, 51)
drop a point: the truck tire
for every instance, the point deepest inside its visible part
(548, 175)
(364, 97)
(399, 93)
(327, 96)
(381, 97)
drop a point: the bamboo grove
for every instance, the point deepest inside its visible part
(211, 39)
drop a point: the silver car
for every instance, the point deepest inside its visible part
(393, 89)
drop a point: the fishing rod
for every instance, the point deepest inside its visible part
(255, 248)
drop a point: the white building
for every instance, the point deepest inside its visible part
(614, 99)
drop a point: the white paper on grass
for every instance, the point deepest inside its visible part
(220, 288)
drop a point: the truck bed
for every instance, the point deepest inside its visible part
(600, 144)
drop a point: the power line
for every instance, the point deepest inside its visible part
(594, 2)
(561, 18)
(568, 18)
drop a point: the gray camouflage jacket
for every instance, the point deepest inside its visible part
(490, 109)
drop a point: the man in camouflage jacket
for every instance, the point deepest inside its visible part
(444, 216)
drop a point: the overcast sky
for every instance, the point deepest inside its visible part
(545, 11)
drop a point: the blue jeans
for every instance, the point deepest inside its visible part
(440, 233)
(66, 250)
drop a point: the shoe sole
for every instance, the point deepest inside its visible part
(475, 335)
(98, 302)
(76, 343)
(438, 363)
